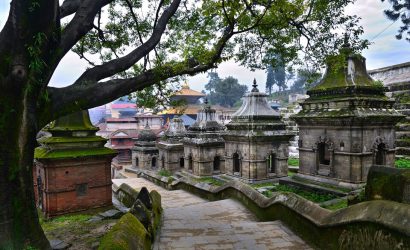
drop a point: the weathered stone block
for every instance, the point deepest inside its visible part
(385, 183)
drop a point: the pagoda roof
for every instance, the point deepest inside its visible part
(346, 75)
(187, 91)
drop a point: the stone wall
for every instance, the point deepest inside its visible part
(203, 158)
(352, 147)
(388, 184)
(170, 157)
(253, 158)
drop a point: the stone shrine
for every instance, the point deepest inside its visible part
(203, 146)
(347, 123)
(256, 141)
(72, 169)
(145, 153)
(171, 148)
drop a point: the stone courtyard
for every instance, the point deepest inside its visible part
(190, 222)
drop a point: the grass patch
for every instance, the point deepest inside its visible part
(76, 229)
(402, 163)
(326, 185)
(337, 206)
(62, 221)
(164, 172)
(290, 173)
(264, 184)
(211, 181)
(293, 161)
(312, 196)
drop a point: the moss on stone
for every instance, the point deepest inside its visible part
(44, 153)
(127, 195)
(76, 121)
(50, 140)
(156, 210)
(128, 233)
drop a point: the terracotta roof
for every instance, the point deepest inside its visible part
(123, 105)
(126, 119)
(190, 110)
(186, 91)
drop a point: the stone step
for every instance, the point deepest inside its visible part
(402, 135)
(403, 143)
(400, 106)
(402, 151)
(403, 127)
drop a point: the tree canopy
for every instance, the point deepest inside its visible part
(225, 92)
(130, 45)
(400, 10)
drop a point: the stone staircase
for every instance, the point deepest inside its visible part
(402, 95)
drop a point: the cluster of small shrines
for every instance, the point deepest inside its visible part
(346, 125)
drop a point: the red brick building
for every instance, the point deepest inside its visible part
(72, 167)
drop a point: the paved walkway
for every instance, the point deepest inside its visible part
(194, 223)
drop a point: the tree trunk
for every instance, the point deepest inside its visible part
(19, 224)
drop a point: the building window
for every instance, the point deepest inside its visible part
(181, 162)
(81, 189)
(236, 163)
(137, 162)
(217, 163)
(324, 154)
(162, 162)
(153, 162)
(271, 163)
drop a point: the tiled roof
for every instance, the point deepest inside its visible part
(126, 119)
(188, 92)
(123, 105)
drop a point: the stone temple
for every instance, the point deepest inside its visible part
(347, 123)
(171, 148)
(256, 142)
(145, 153)
(204, 147)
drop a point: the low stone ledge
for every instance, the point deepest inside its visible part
(375, 221)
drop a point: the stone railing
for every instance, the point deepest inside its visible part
(367, 225)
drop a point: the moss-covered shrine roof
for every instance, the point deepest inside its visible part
(44, 153)
(77, 121)
(346, 75)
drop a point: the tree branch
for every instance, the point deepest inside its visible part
(83, 96)
(69, 7)
(79, 26)
(118, 65)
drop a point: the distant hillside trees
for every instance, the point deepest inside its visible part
(225, 92)
(305, 79)
(278, 75)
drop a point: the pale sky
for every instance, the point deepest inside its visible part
(385, 50)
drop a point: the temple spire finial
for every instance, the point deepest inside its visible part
(346, 43)
(206, 100)
(255, 86)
